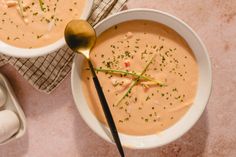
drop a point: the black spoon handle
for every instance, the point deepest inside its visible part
(106, 110)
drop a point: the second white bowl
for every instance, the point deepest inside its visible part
(36, 52)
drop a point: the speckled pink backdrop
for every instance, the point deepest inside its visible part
(55, 128)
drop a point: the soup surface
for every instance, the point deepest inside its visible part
(36, 23)
(152, 102)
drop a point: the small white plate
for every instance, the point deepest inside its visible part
(203, 89)
(13, 105)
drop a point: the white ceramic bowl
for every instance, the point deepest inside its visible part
(36, 52)
(203, 89)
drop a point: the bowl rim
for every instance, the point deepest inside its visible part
(13, 51)
(198, 113)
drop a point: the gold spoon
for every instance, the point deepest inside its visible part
(81, 37)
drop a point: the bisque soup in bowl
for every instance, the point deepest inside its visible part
(31, 28)
(155, 73)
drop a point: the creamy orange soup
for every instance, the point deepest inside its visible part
(165, 91)
(36, 23)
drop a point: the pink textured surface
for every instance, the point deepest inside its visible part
(55, 128)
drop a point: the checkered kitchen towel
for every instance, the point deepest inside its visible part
(45, 73)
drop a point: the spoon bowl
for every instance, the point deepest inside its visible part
(80, 37)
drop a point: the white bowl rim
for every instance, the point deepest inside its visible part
(13, 51)
(197, 113)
